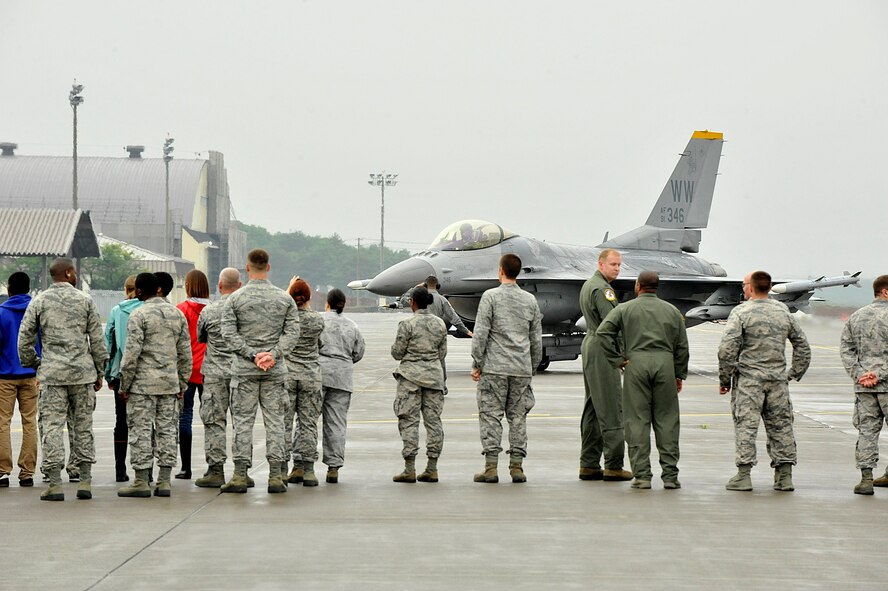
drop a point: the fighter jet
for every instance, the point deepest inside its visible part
(465, 258)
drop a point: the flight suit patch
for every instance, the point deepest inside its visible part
(609, 295)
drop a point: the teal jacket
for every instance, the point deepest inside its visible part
(115, 335)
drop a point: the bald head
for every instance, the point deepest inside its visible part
(647, 282)
(62, 271)
(229, 280)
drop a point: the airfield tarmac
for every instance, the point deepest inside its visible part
(555, 531)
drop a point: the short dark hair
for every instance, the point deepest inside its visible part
(431, 282)
(511, 265)
(879, 284)
(18, 283)
(336, 300)
(421, 297)
(196, 284)
(300, 291)
(164, 282)
(60, 266)
(258, 259)
(760, 281)
(648, 281)
(147, 284)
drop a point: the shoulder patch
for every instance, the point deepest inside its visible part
(609, 295)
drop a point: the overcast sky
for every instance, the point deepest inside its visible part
(557, 120)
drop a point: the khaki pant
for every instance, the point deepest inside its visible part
(25, 392)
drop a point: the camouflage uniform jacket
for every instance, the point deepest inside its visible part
(508, 332)
(754, 344)
(342, 345)
(648, 325)
(72, 344)
(864, 345)
(157, 356)
(218, 359)
(260, 317)
(302, 361)
(420, 346)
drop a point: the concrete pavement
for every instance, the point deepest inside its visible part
(555, 531)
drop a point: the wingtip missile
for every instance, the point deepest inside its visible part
(820, 283)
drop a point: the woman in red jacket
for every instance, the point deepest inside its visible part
(197, 288)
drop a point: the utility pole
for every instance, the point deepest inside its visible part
(167, 156)
(381, 179)
(75, 100)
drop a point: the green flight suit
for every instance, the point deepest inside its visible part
(656, 345)
(601, 428)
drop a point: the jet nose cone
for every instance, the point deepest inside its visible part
(397, 279)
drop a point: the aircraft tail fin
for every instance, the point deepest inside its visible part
(683, 207)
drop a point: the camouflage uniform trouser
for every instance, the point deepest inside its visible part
(870, 410)
(73, 464)
(213, 412)
(158, 413)
(335, 411)
(54, 405)
(411, 400)
(766, 401)
(511, 396)
(247, 394)
(305, 401)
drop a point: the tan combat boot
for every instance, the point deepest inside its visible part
(238, 482)
(214, 478)
(309, 478)
(516, 470)
(332, 475)
(591, 473)
(865, 486)
(881, 480)
(297, 474)
(163, 487)
(139, 488)
(55, 491)
(783, 478)
(489, 475)
(409, 473)
(431, 472)
(275, 481)
(741, 481)
(84, 489)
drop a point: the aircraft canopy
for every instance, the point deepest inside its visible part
(470, 235)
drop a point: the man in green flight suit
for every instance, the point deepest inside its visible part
(654, 361)
(601, 428)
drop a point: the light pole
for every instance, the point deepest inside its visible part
(381, 179)
(167, 156)
(76, 100)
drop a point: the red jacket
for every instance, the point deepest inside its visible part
(191, 309)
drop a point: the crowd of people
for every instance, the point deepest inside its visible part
(261, 347)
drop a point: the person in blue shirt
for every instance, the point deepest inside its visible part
(17, 384)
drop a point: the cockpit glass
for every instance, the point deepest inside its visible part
(470, 235)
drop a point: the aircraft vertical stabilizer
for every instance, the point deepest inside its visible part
(683, 207)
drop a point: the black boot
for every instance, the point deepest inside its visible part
(120, 461)
(185, 452)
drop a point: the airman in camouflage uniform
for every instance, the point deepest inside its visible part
(601, 426)
(864, 350)
(420, 346)
(342, 345)
(304, 387)
(507, 348)
(216, 370)
(655, 361)
(752, 362)
(260, 324)
(69, 371)
(154, 373)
